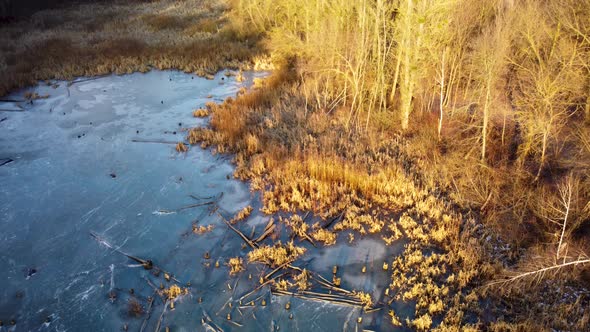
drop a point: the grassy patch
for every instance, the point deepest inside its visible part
(121, 37)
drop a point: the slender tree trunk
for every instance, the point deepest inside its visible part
(406, 91)
(442, 89)
(486, 118)
(396, 75)
(503, 128)
(543, 153)
(587, 109)
(541, 271)
(567, 202)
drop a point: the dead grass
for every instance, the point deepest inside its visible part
(364, 298)
(121, 37)
(236, 265)
(200, 230)
(204, 25)
(302, 280)
(157, 21)
(174, 291)
(327, 237)
(180, 147)
(276, 255)
(242, 214)
(200, 113)
(134, 308)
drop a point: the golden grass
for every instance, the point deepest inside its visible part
(206, 24)
(302, 280)
(174, 291)
(327, 237)
(200, 230)
(365, 298)
(200, 113)
(282, 285)
(276, 255)
(180, 147)
(242, 214)
(34, 96)
(301, 163)
(236, 265)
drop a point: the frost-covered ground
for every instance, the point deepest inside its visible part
(76, 169)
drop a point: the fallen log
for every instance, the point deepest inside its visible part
(161, 316)
(139, 140)
(244, 237)
(259, 287)
(309, 239)
(332, 296)
(349, 302)
(70, 83)
(5, 161)
(197, 198)
(147, 264)
(235, 323)
(266, 277)
(329, 223)
(207, 320)
(330, 286)
(368, 311)
(148, 313)
(269, 229)
(12, 100)
(186, 207)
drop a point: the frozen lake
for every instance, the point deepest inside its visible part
(76, 169)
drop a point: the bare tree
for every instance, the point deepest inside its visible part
(442, 95)
(566, 209)
(565, 193)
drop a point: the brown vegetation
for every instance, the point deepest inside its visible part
(483, 116)
(200, 113)
(362, 181)
(135, 309)
(121, 37)
(180, 147)
(236, 265)
(276, 255)
(200, 230)
(302, 280)
(173, 292)
(242, 214)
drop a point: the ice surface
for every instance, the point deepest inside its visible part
(76, 170)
